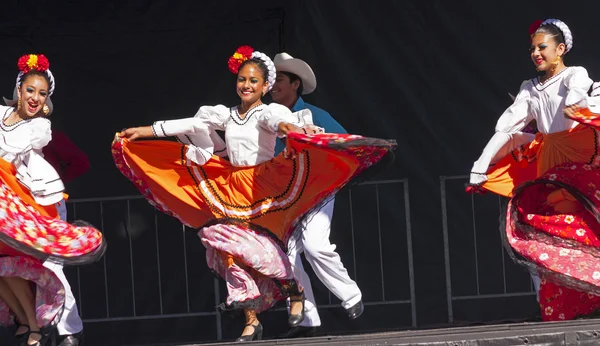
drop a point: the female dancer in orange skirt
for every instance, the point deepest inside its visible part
(30, 231)
(248, 207)
(552, 219)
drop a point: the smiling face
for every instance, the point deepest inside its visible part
(251, 84)
(545, 50)
(33, 93)
(285, 91)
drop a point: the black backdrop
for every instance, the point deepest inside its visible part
(434, 75)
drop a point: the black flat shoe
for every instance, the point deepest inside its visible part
(295, 320)
(299, 332)
(356, 310)
(258, 330)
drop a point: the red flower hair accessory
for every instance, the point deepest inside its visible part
(533, 27)
(242, 54)
(36, 62)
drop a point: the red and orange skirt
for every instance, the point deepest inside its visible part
(29, 235)
(552, 222)
(246, 215)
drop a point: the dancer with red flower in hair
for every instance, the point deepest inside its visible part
(30, 230)
(552, 177)
(246, 208)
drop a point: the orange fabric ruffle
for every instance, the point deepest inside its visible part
(8, 177)
(271, 195)
(579, 144)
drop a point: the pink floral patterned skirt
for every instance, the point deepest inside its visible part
(257, 271)
(49, 291)
(562, 245)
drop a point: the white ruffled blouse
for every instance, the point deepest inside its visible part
(248, 142)
(21, 144)
(543, 102)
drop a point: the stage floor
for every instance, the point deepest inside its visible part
(581, 332)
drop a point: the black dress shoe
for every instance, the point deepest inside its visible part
(299, 332)
(356, 310)
(71, 340)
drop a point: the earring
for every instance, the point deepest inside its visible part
(19, 104)
(46, 109)
(555, 63)
(556, 60)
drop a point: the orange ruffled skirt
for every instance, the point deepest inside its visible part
(270, 197)
(246, 215)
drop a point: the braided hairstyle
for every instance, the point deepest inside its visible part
(559, 31)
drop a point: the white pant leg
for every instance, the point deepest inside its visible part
(311, 315)
(70, 322)
(326, 263)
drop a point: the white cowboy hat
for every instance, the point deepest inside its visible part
(286, 63)
(13, 102)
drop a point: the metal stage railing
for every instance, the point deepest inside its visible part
(503, 278)
(153, 258)
(163, 262)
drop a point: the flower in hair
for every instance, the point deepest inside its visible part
(242, 54)
(30, 62)
(533, 27)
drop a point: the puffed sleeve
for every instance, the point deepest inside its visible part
(517, 116)
(275, 114)
(208, 118)
(508, 135)
(40, 133)
(578, 84)
(34, 135)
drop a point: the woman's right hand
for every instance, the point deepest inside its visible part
(134, 133)
(570, 111)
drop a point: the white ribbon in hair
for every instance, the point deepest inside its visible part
(565, 31)
(50, 77)
(270, 66)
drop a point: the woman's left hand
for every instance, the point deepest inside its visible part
(285, 128)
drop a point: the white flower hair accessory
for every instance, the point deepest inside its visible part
(270, 66)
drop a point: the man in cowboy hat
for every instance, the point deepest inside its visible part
(69, 162)
(296, 78)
